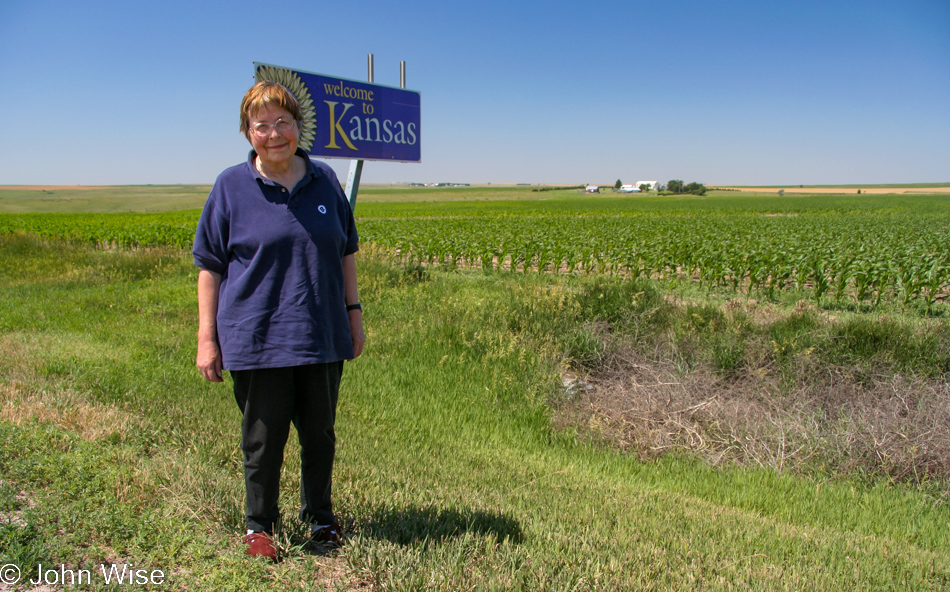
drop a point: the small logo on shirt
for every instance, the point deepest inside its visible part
(322, 209)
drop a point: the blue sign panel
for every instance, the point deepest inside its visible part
(348, 119)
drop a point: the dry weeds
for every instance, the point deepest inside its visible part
(25, 397)
(66, 409)
(832, 420)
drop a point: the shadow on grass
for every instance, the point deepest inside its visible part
(413, 525)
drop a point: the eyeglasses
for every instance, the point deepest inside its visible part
(263, 130)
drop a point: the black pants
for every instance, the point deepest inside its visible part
(271, 399)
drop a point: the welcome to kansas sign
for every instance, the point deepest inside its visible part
(348, 119)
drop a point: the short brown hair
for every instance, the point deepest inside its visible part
(267, 92)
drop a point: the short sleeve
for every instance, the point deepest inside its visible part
(211, 237)
(352, 239)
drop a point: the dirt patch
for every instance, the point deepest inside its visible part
(792, 190)
(40, 588)
(15, 517)
(332, 573)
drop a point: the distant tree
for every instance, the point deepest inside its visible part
(618, 184)
(644, 186)
(695, 189)
(677, 186)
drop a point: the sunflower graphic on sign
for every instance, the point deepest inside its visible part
(296, 86)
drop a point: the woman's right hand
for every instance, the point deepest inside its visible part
(209, 360)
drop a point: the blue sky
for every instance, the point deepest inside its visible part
(716, 91)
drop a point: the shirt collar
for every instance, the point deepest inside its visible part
(312, 169)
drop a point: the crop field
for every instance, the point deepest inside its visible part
(854, 249)
(857, 258)
(559, 392)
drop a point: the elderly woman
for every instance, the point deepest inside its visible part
(278, 307)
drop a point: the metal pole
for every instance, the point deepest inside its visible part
(356, 166)
(353, 182)
(402, 74)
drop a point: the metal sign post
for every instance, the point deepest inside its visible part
(356, 166)
(353, 182)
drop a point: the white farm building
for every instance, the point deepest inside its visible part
(651, 185)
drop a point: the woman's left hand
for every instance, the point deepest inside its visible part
(356, 328)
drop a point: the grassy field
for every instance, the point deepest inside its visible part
(462, 463)
(127, 198)
(158, 198)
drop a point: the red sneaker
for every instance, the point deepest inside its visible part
(260, 544)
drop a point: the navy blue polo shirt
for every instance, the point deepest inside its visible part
(279, 253)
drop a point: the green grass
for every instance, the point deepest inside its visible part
(450, 475)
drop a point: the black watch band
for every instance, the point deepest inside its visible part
(356, 306)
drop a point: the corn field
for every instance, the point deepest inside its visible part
(862, 257)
